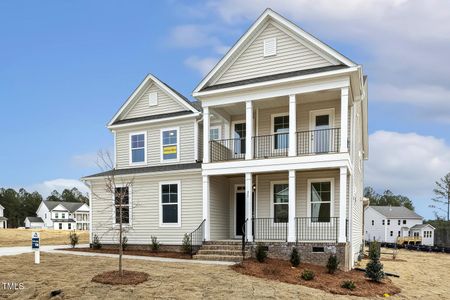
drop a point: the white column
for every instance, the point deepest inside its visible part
(344, 119)
(249, 129)
(248, 205)
(292, 126)
(206, 134)
(292, 199)
(196, 140)
(206, 199)
(342, 203)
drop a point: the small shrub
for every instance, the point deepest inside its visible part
(272, 271)
(186, 244)
(96, 242)
(332, 264)
(124, 243)
(261, 252)
(374, 268)
(307, 275)
(73, 237)
(348, 284)
(295, 257)
(155, 244)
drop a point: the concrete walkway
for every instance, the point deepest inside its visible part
(150, 258)
(5, 251)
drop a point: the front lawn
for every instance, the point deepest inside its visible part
(22, 237)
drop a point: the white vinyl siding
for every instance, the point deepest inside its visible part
(219, 208)
(291, 55)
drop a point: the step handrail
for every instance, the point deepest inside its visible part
(195, 233)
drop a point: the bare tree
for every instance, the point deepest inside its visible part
(442, 193)
(119, 186)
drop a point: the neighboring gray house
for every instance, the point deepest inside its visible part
(273, 149)
(396, 224)
(34, 222)
(3, 220)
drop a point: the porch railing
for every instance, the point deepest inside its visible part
(227, 149)
(197, 237)
(318, 141)
(272, 145)
(269, 229)
(316, 229)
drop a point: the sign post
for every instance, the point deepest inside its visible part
(35, 243)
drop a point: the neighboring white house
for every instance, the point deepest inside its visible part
(34, 222)
(62, 215)
(392, 224)
(3, 220)
(274, 150)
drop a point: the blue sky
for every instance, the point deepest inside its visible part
(67, 66)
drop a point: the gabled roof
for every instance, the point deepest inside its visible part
(35, 219)
(396, 212)
(420, 226)
(266, 16)
(1, 206)
(70, 206)
(190, 106)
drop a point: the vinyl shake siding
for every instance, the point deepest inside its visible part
(145, 207)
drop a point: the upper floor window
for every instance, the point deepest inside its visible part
(214, 133)
(389, 222)
(169, 144)
(138, 142)
(63, 215)
(56, 215)
(280, 202)
(122, 200)
(320, 199)
(373, 222)
(382, 222)
(404, 222)
(398, 222)
(281, 132)
(170, 203)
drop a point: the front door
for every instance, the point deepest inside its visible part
(239, 133)
(321, 122)
(240, 213)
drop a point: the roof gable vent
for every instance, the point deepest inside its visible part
(270, 46)
(153, 99)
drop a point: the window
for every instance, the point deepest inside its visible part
(399, 234)
(382, 222)
(45, 215)
(392, 233)
(280, 202)
(60, 225)
(404, 222)
(320, 198)
(137, 149)
(153, 99)
(63, 215)
(389, 222)
(122, 199)
(281, 132)
(170, 203)
(69, 226)
(169, 142)
(214, 133)
(56, 215)
(239, 134)
(373, 222)
(398, 222)
(270, 46)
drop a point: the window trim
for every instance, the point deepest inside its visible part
(130, 135)
(219, 129)
(130, 210)
(272, 130)
(272, 202)
(177, 159)
(308, 197)
(173, 225)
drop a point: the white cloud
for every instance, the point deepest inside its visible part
(86, 160)
(203, 65)
(45, 188)
(407, 163)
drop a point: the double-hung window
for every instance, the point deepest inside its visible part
(214, 133)
(320, 199)
(169, 144)
(280, 202)
(170, 203)
(122, 200)
(281, 132)
(138, 151)
(56, 215)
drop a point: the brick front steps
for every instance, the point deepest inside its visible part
(228, 250)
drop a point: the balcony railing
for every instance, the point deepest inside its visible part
(309, 142)
(269, 229)
(318, 141)
(316, 229)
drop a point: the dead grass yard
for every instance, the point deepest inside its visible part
(423, 276)
(22, 237)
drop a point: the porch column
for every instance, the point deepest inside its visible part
(292, 126)
(291, 214)
(344, 119)
(248, 205)
(206, 134)
(205, 214)
(249, 129)
(342, 203)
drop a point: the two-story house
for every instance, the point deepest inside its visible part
(3, 220)
(274, 151)
(60, 215)
(396, 224)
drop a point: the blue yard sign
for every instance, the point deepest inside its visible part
(35, 241)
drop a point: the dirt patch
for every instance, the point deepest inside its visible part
(114, 278)
(22, 237)
(281, 270)
(167, 254)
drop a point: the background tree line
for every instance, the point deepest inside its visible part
(21, 204)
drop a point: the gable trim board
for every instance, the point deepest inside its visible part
(134, 96)
(153, 119)
(253, 32)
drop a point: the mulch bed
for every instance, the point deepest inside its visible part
(281, 270)
(166, 254)
(114, 278)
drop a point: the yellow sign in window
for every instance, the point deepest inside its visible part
(169, 150)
